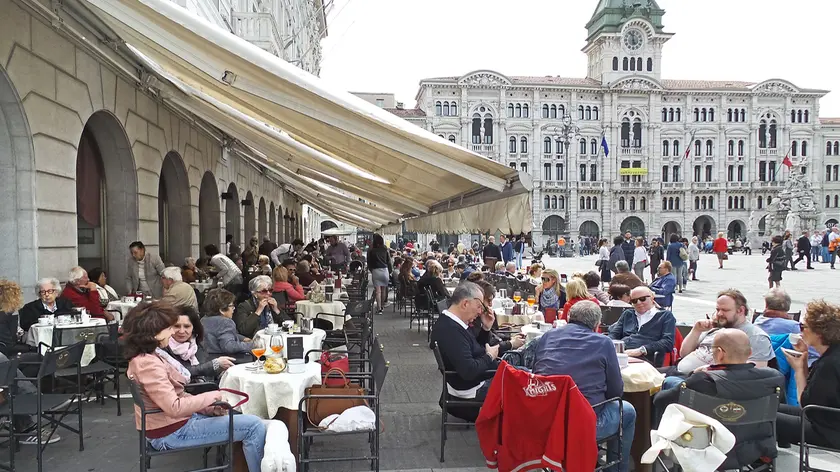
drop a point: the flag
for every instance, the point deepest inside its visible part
(786, 161)
(689, 144)
(604, 144)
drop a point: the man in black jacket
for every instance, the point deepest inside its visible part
(471, 357)
(628, 247)
(491, 251)
(803, 247)
(733, 377)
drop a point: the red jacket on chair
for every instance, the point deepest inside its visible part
(533, 421)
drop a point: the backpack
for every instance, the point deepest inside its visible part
(683, 254)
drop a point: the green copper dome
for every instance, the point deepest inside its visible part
(610, 15)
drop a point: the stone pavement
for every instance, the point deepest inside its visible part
(410, 412)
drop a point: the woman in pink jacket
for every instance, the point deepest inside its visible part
(285, 282)
(187, 420)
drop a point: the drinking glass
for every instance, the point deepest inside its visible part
(517, 296)
(276, 344)
(257, 349)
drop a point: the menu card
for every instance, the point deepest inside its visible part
(294, 347)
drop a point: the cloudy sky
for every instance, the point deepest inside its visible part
(389, 45)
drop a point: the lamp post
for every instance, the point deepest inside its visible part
(566, 134)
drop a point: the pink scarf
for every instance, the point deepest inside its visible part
(185, 351)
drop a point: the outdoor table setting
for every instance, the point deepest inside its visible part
(335, 308)
(42, 332)
(311, 341)
(202, 286)
(123, 306)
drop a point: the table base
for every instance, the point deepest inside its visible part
(290, 419)
(643, 403)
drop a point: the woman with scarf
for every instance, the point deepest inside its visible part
(550, 294)
(220, 336)
(186, 347)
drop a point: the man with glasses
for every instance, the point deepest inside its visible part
(471, 357)
(47, 303)
(646, 330)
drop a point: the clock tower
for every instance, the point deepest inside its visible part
(625, 38)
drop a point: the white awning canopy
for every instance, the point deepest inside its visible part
(320, 142)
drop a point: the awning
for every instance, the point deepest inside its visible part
(305, 129)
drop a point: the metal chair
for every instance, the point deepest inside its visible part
(804, 447)
(611, 314)
(8, 370)
(225, 458)
(100, 369)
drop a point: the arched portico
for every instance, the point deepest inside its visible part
(634, 225)
(736, 229)
(209, 226)
(272, 223)
(671, 227)
(262, 222)
(174, 212)
(704, 226)
(232, 219)
(250, 224)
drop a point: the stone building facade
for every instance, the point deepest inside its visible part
(92, 159)
(685, 156)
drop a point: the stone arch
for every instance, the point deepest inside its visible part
(671, 227)
(328, 224)
(174, 211)
(272, 223)
(18, 226)
(736, 228)
(634, 225)
(281, 229)
(831, 223)
(704, 226)
(232, 220)
(107, 203)
(287, 226)
(250, 224)
(209, 225)
(589, 228)
(262, 223)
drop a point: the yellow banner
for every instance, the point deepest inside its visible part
(632, 171)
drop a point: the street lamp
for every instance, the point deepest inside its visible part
(566, 134)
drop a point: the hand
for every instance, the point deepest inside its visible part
(517, 341)
(538, 290)
(108, 316)
(91, 286)
(798, 363)
(261, 305)
(704, 325)
(271, 302)
(702, 368)
(487, 319)
(492, 350)
(634, 353)
(225, 362)
(246, 340)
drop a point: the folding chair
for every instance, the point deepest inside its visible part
(804, 447)
(224, 460)
(100, 369)
(8, 370)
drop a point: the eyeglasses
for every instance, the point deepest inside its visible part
(802, 327)
(230, 307)
(633, 301)
(45, 292)
(264, 291)
(484, 307)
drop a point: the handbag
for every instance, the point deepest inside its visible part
(319, 408)
(599, 263)
(332, 360)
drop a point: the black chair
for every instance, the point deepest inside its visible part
(794, 315)
(611, 314)
(105, 339)
(308, 433)
(51, 407)
(804, 447)
(8, 371)
(617, 437)
(735, 415)
(684, 329)
(224, 459)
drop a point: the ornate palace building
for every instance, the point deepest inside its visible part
(685, 156)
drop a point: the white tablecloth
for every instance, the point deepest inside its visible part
(269, 392)
(310, 309)
(310, 341)
(202, 286)
(122, 307)
(44, 334)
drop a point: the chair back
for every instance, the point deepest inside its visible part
(61, 358)
(439, 360)
(379, 365)
(66, 336)
(8, 372)
(136, 396)
(794, 315)
(442, 305)
(281, 298)
(359, 308)
(732, 412)
(611, 314)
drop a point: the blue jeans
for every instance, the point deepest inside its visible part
(607, 424)
(672, 382)
(202, 429)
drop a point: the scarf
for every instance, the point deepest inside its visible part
(174, 363)
(185, 351)
(549, 299)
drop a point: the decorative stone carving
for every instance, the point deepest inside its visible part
(483, 79)
(794, 210)
(775, 88)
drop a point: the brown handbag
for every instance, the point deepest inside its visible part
(319, 408)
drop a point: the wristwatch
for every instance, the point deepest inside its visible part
(644, 350)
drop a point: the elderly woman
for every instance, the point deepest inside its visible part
(190, 272)
(260, 309)
(619, 296)
(817, 385)
(107, 293)
(186, 346)
(431, 279)
(220, 336)
(264, 265)
(47, 303)
(284, 281)
(304, 274)
(185, 420)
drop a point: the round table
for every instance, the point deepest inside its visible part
(268, 392)
(38, 334)
(202, 286)
(310, 341)
(122, 306)
(336, 309)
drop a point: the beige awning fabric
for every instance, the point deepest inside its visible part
(508, 215)
(302, 126)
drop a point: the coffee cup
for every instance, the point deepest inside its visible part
(623, 360)
(288, 324)
(44, 321)
(273, 327)
(795, 338)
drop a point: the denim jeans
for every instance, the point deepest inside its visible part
(672, 382)
(607, 425)
(202, 429)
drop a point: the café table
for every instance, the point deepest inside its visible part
(38, 334)
(641, 397)
(202, 286)
(121, 306)
(334, 309)
(310, 341)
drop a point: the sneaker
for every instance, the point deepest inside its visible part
(45, 433)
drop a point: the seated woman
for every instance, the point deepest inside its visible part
(286, 282)
(431, 279)
(47, 303)
(535, 274)
(664, 285)
(186, 346)
(304, 274)
(186, 420)
(220, 336)
(593, 286)
(620, 296)
(264, 265)
(576, 291)
(107, 293)
(549, 293)
(190, 272)
(819, 384)
(260, 309)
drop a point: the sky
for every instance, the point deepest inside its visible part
(390, 45)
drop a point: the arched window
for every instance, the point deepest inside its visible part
(650, 64)
(583, 203)
(679, 112)
(580, 112)
(670, 203)
(703, 203)
(518, 110)
(670, 114)
(547, 146)
(804, 148)
(524, 166)
(553, 111)
(664, 114)
(562, 202)
(554, 202)
(582, 146)
(559, 171)
(620, 203)
(799, 116)
(523, 145)
(836, 201)
(704, 115)
(760, 203)
(637, 133)
(639, 64)
(741, 202)
(730, 148)
(676, 148)
(730, 203)
(677, 203)
(595, 113)
(593, 172)
(561, 111)
(442, 136)
(828, 201)
(588, 113)
(711, 114)
(451, 138)
(729, 115)
(740, 147)
(743, 115)
(696, 203)
(588, 203)
(547, 202)
(582, 173)
(546, 171)
(438, 109)
(794, 148)
(793, 116)
(836, 148)
(632, 203)
(625, 133)
(666, 146)
(615, 63)
(594, 203)
(709, 147)
(665, 173)
(593, 147)
(512, 145)
(697, 147)
(510, 110)
(696, 114)
(453, 109)
(445, 108)
(632, 64)
(624, 64)
(828, 148)
(665, 203)
(643, 204)
(525, 111)
(545, 111)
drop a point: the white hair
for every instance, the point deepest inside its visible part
(189, 260)
(172, 273)
(511, 266)
(260, 282)
(76, 273)
(499, 266)
(50, 281)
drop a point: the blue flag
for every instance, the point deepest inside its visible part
(604, 145)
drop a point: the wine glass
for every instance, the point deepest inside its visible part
(517, 296)
(532, 299)
(276, 344)
(257, 349)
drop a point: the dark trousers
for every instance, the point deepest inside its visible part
(789, 258)
(803, 255)
(789, 428)
(747, 251)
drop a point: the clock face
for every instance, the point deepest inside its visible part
(633, 40)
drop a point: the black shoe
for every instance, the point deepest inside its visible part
(810, 268)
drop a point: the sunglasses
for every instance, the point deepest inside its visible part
(633, 301)
(264, 291)
(546, 279)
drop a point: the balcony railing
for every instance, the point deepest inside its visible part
(632, 151)
(767, 152)
(258, 28)
(705, 185)
(672, 185)
(590, 185)
(484, 149)
(634, 185)
(770, 184)
(553, 183)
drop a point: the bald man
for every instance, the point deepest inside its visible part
(647, 331)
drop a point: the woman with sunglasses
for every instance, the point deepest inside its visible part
(220, 335)
(550, 294)
(260, 309)
(819, 384)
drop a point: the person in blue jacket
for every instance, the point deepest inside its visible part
(672, 255)
(507, 249)
(664, 285)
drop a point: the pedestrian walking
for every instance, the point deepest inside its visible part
(776, 263)
(657, 254)
(787, 246)
(720, 247)
(803, 249)
(603, 261)
(694, 257)
(674, 255)
(834, 244)
(816, 239)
